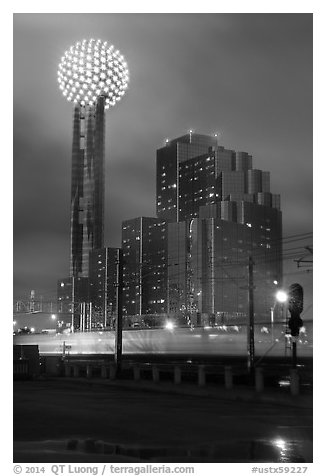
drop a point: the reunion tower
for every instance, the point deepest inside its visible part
(94, 76)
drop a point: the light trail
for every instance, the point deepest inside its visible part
(211, 341)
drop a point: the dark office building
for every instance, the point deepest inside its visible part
(208, 264)
(144, 247)
(87, 185)
(172, 177)
(180, 290)
(223, 211)
(102, 285)
(71, 294)
(188, 175)
(226, 245)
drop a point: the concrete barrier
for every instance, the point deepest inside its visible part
(136, 371)
(112, 371)
(259, 379)
(201, 376)
(228, 377)
(67, 370)
(76, 370)
(89, 371)
(155, 374)
(294, 382)
(104, 371)
(53, 365)
(177, 375)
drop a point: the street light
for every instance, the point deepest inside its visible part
(169, 326)
(280, 297)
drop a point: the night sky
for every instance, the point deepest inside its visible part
(247, 76)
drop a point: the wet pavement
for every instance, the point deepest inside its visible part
(88, 421)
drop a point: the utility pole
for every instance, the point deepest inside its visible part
(250, 326)
(118, 321)
(73, 305)
(90, 317)
(106, 289)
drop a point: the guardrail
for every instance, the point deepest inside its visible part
(177, 372)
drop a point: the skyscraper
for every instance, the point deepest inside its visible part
(94, 76)
(103, 279)
(181, 167)
(144, 266)
(214, 212)
(220, 210)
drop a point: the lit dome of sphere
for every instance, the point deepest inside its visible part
(92, 68)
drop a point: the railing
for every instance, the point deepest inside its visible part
(178, 373)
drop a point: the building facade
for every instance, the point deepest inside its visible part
(103, 280)
(144, 248)
(220, 212)
(178, 175)
(72, 296)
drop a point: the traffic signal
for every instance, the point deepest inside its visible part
(295, 306)
(295, 298)
(295, 323)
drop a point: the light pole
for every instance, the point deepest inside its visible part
(251, 323)
(280, 297)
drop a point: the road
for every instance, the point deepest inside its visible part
(206, 340)
(234, 431)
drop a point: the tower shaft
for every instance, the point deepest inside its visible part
(87, 186)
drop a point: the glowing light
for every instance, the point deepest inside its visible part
(280, 444)
(32, 329)
(53, 316)
(95, 66)
(281, 296)
(169, 325)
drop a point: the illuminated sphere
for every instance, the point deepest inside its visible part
(92, 68)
